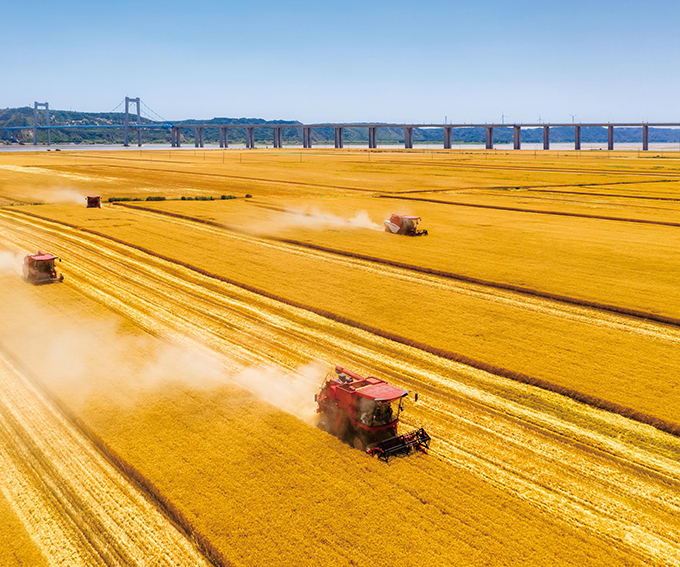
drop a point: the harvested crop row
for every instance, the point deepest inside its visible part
(77, 508)
(465, 439)
(461, 313)
(645, 315)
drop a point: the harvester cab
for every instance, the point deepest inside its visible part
(365, 413)
(94, 202)
(39, 269)
(404, 224)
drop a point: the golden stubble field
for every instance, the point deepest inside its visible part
(184, 333)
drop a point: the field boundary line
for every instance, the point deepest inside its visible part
(635, 313)
(533, 211)
(588, 399)
(145, 486)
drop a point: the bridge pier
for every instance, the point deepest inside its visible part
(489, 138)
(546, 137)
(610, 137)
(408, 138)
(577, 137)
(339, 134)
(447, 137)
(307, 137)
(221, 136)
(645, 137)
(198, 137)
(372, 137)
(250, 137)
(277, 136)
(517, 137)
(175, 136)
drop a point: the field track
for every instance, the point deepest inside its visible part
(75, 505)
(614, 477)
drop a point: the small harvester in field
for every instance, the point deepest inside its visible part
(404, 224)
(364, 412)
(39, 269)
(94, 202)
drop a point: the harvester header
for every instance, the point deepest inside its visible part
(365, 413)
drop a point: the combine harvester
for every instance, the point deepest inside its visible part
(365, 413)
(94, 202)
(404, 224)
(39, 269)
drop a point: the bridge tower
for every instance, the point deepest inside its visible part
(36, 107)
(136, 101)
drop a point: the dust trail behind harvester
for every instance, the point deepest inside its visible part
(65, 195)
(77, 359)
(11, 262)
(293, 394)
(316, 219)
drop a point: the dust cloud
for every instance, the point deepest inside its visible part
(64, 195)
(88, 356)
(291, 392)
(314, 218)
(11, 262)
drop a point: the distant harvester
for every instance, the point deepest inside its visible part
(404, 224)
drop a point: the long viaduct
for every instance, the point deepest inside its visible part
(277, 129)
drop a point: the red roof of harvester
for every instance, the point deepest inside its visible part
(408, 217)
(42, 256)
(381, 392)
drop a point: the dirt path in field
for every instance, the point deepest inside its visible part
(598, 471)
(76, 506)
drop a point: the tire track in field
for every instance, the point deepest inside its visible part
(533, 211)
(596, 469)
(77, 508)
(573, 307)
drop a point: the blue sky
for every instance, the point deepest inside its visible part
(316, 61)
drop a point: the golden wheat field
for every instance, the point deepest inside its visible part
(157, 408)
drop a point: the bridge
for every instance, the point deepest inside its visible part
(277, 129)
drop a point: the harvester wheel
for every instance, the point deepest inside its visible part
(359, 443)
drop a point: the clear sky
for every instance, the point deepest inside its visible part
(357, 60)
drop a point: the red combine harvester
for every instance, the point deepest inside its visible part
(403, 224)
(39, 269)
(94, 202)
(365, 413)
